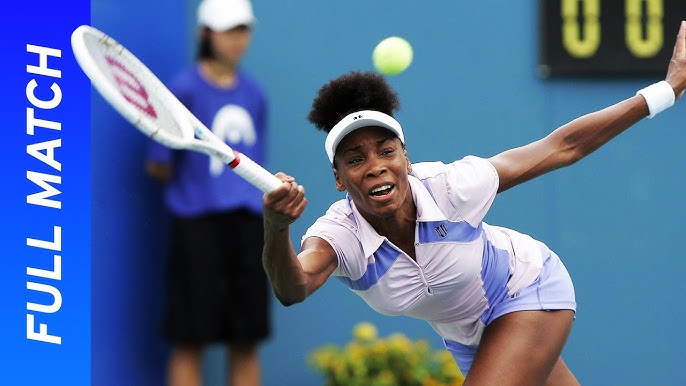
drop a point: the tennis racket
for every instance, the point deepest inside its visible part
(140, 97)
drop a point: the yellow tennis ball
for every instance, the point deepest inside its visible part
(392, 55)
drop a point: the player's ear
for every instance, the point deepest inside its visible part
(339, 184)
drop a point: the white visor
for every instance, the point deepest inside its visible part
(356, 120)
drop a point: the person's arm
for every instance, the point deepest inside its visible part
(159, 162)
(580, 137)
(293, 277)
(158, 170)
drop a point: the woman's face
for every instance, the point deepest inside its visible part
(229, 46)
(372, 165)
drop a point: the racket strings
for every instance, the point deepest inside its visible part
(137, 86)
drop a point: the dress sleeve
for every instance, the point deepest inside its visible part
(341, 233)
(472, 183)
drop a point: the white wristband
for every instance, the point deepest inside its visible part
(659, 97)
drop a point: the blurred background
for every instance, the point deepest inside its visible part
(475, 87)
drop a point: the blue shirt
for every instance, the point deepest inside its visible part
(201, 184)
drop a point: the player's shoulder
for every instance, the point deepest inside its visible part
(476, 168)
(339, 216)
(465, 178)
(338, 223)
(426, 170)
(340, 211)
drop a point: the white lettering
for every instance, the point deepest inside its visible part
(42, 68)
(55, 274)
(32, 122)
(42, 335)
(55, 245)
(41, 198)
(50, 104)
(48, 157)
(48, 289)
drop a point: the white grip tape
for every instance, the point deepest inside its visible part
(659, 97)
(256, 174)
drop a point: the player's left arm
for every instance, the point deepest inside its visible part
(580, 137)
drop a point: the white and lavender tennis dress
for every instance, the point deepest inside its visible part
(466, 274)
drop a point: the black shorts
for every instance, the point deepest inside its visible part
(217, 291)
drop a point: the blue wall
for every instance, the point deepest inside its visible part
(128, 222)
(472, 89)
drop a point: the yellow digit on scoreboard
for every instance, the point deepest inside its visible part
(576, 45)
(651, 44)
(602, 37)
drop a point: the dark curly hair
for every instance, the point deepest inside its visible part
(352, 92)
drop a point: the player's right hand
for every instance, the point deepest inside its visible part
(285, 204)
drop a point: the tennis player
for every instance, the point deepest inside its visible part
(410, 238)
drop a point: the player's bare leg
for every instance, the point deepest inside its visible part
(561, 375)
(523, 348)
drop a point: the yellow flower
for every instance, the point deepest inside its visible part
(325, 356)
(368, 360)
(379, 348)
(364, 332)
(355, 352)
(399, 341)
(430, 382)
(386, 378)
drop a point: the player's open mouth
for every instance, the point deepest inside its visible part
(382, 190)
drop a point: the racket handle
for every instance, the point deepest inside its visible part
(254, 173)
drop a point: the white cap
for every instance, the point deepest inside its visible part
(356, 120)
(223, 15)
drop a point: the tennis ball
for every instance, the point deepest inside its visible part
(392, 55)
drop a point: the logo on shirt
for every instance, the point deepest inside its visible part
(232, 124)
(441, 230)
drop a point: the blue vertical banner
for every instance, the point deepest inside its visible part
(45, 285)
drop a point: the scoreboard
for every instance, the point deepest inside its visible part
(607, 37)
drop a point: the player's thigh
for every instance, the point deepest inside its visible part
(520, 348)
(561, 375)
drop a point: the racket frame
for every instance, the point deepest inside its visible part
(194, 134)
